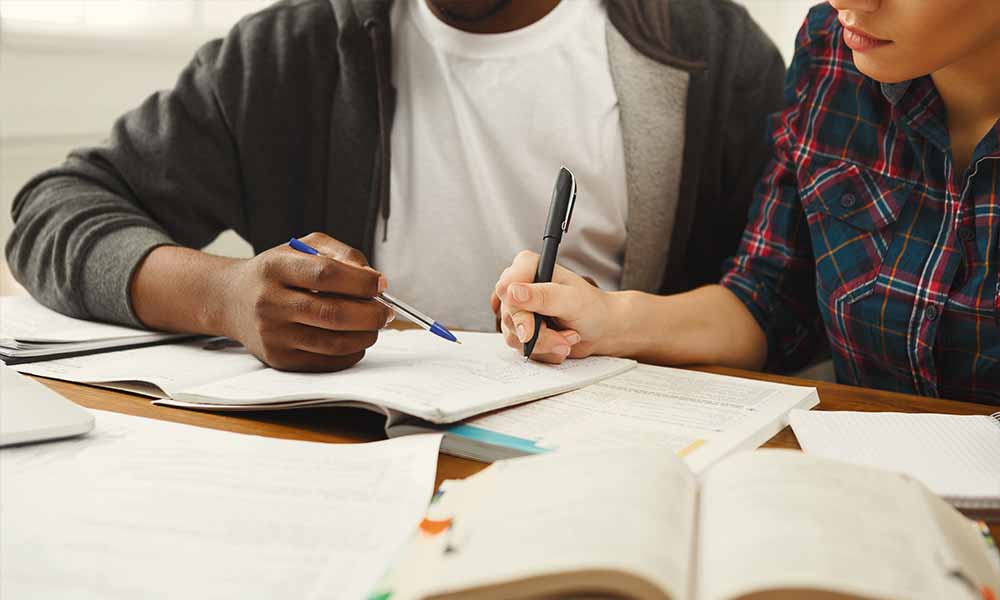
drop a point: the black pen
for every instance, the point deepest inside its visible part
(563, 201)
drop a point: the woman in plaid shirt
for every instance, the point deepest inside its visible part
(873, 234)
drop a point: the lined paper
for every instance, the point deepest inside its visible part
(956, 456)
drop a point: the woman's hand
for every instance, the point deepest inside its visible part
(580, 311)
(709, 325)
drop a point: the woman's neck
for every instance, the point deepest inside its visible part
(970, 89)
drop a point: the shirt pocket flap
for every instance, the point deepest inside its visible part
(856, 195)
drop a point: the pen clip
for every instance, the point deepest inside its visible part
(572, 200)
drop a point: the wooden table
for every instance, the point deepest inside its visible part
(344, 425)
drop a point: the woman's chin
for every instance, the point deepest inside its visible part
(884, 70)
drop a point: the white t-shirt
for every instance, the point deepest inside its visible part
(482, 124)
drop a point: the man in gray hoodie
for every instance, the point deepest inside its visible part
(422, 135)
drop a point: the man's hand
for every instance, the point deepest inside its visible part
(293, 311)
(580, 310)
(278, 315)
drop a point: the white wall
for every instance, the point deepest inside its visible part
(781, 19)
(60, 90)
(64, 90)
(58, 94)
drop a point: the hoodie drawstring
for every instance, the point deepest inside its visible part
(376, 33)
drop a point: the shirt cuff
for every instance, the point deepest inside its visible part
(108, 271)
(748, 290)
(792, 339)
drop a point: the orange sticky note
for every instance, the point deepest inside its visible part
(432, 528)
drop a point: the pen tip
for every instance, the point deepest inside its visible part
(458, 341)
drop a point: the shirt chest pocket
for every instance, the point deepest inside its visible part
(852, 212)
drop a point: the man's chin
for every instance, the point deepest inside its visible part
(469, 10)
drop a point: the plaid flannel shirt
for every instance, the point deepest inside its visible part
(863, 235)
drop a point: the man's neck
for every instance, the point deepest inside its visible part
(490, 16)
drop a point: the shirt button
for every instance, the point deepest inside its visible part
(931, 312)
(848, 200)
(966, 234)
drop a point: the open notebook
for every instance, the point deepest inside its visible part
(956, 456)
(636, 523)
(404, 373)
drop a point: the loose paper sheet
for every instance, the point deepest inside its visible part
(148, 509)
(957, 456)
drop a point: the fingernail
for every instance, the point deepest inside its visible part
(520, 292)
(392, 317)
(561, 350)
(522, 332)
(382, 283)
(573, 338)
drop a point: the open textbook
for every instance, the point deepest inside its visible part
(636, 523)
(404, 373)
(700, 416)
(31, 332)
(140, 508)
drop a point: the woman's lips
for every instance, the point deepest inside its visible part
(860, 41)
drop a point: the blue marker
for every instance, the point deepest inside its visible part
(401, 308)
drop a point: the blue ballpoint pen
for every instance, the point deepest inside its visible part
(401, 308)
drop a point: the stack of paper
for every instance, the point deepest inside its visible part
(30, 332)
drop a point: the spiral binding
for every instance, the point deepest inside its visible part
(978, 502)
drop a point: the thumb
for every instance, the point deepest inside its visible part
(550, 299)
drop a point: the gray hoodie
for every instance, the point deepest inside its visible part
(282, 128)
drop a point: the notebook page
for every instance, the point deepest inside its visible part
(631, 510)
(419, 374)
(148, 509)
(773, 520)
(699, 416)
(957, 457)
(170, 367)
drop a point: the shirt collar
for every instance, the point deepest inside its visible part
(924, 111)
(894, 92)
